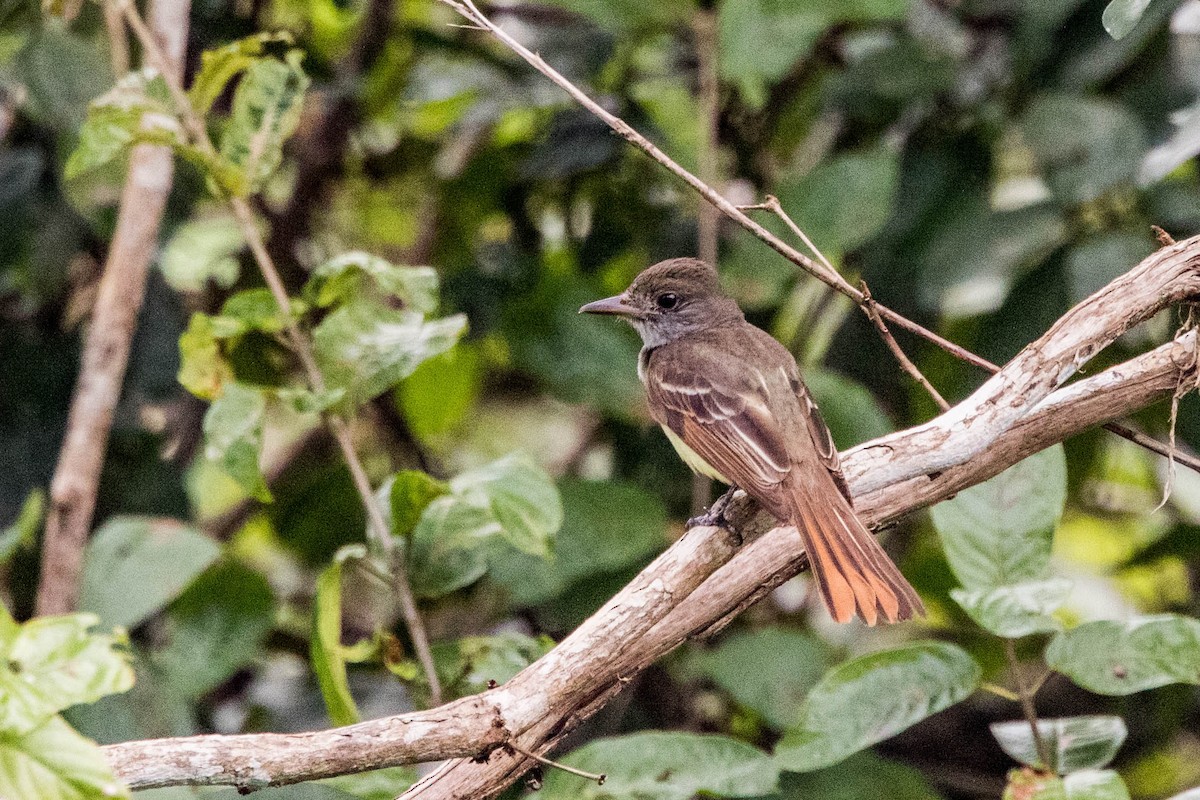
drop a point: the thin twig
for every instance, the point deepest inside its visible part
(105, 357)
(1000, 691)
(1025, 694)
(377, 527)
(821, 272)
(905, 362)
(599, 778)
(118, 40)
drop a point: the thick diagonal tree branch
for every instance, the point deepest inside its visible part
(106, 347)
(713, 572)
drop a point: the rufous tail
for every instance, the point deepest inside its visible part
(853, 573)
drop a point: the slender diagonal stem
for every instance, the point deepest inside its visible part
(377, 526)
(1025, 693)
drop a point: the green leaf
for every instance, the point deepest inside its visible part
(473, 663)
(664, 766)
(216, 627)
(306, 401)
(591, 541)
(221, 65)
(23, 533)
(1016, 610)
(378, 784)
(769, 671)
(874, 697)
(203, 250)
(339, 280)
(858, 777)
(440, 394)
(999, 532)
(1122, 657)
(410, 493)
(1095, 784)
(1075, 743)
(254, 310)
(203, 370)
(1121, 16)
(367, 348)
(325, 648)
(233, 437)
(125, 115)
(53, 663)
(447, 547)
(266, 110)
(844, 201)
(519, 496)
(53, 762)
(134, 566)
(1085, 145)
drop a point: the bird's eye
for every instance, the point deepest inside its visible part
(667, 301)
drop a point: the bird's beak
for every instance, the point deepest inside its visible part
(617, 306)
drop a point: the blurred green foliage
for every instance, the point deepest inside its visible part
(438, 212)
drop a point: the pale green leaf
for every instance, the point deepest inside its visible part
(664, 766)
(1095, 784)
(367, 348)
(24, 531)
(53, 663)
(135, 566)
(203, 250)
(53, 762)
(266, 110)
(1000, 532)
(1122, 657)
(874, 697)
(233, 437)
(447, 546)
(440, 394)
(1018, 609)
(519, 496)
(339, 280)
(1075, 743)
(1121, 16)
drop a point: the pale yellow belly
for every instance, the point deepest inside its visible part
(692, 458)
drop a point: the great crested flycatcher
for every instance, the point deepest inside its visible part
(730, 399)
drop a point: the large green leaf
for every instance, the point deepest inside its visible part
(1095, 784)
(664, 766)
(1000, 532)
(592, 540)
(266, 110)
(1075, 743)
(1018, 609)
(439, 395)
(221, 65)
(874, 697)
(447, 546)
(340, 279)
(769, 671)
(1121, 16)
(858, 777)
(53, 762)
(135, 566)
(366, 348)
(519, 496)
(325, 647)
(411, 491)
(52, 663)
(1086, 145)
(1123, 657)
(216, 627)
(233, 430)
(473, 663)
(844, 201)
(202, 250)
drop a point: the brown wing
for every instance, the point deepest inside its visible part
(827, 451)
(725, 419)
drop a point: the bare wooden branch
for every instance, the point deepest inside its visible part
(714, 571)
(106, 346)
